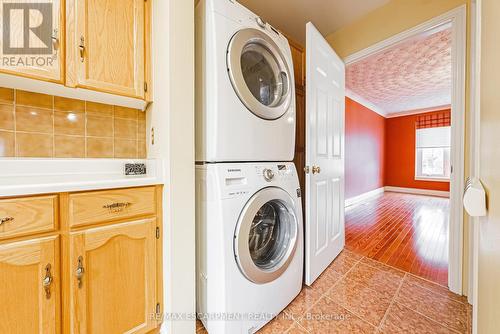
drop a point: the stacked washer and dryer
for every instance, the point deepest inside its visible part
(249, 216)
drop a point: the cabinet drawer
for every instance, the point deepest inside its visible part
(21, 216)
(100, 206)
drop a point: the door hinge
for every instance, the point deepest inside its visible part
(158, 309)
(157, 233)
(145, 86)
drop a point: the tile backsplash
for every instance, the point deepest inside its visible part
(46, 126)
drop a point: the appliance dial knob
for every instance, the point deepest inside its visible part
(260, 22)
(268, 174)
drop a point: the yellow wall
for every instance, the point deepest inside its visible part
(389, 20)
(488, 306)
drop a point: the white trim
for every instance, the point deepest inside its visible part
(431, 179)
(51, 88)
(364, 196)
(474, 128)
(416, 191)
(418, 111)
(457, 19)
(364, 102)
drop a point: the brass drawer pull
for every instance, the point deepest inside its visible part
(47, 281)
(80, 270)
(117, 207)
(6, 220)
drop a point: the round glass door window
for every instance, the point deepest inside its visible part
(270, 234)
(259, 74)
(266, 235)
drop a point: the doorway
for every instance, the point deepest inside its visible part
(405, 157)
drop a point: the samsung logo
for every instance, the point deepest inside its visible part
(234, 170)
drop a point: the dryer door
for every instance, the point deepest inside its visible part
(259, 73)
(266, 235)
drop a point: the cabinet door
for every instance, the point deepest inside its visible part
(110, 42)
(27, 305)
(113, 278)
(34, 49)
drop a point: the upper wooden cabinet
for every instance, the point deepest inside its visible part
(24, 52)
(29, 287)
(113, 280)
(101, 45)
(110, 44)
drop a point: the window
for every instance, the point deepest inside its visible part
(433, 154)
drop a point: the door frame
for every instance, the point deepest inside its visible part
(457, 19)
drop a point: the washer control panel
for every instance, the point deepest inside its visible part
(270, 173)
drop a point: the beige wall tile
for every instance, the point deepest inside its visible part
(142, 149)
(141, 129)
(125, 128)
(34, 120)
(34, 99)
(6, 95)
(7, 144)
(69, 147)
(125, 148)
(34, 145)
(65, 104)
(123, 112)
(99, 147)
(41, 125)
(99, 109)
(6, 117)
(98, 126)
(69, 123)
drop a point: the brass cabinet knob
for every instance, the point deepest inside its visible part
(316, 170)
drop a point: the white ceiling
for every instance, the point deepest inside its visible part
(291, 16)
(412, 75)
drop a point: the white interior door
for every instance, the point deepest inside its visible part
(325, 103)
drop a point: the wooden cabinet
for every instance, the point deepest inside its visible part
(111, 46)
(47, 67)
(114, 278)
(30, 215)
(106, 205)
(101, 45)
(29, 286)
(78, 263)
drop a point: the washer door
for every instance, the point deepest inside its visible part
(259, 73)
(266, 235)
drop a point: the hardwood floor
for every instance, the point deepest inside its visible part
(409, 232)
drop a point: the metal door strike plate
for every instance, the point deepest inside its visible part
(135, 169)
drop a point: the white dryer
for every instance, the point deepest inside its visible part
(249, 244)
(245, 91)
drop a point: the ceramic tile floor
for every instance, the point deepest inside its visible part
(359, 295)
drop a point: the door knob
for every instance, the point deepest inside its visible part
(316, 170)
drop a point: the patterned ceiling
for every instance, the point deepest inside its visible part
(412, 75)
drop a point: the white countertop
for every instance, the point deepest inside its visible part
(40, 176)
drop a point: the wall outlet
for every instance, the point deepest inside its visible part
(135, 169)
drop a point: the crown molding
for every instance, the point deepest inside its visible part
(364, 102)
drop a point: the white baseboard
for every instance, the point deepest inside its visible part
(363, 197)
(416, 191)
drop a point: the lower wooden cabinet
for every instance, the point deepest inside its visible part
(30, 286)
(103, 277)
(113, 280)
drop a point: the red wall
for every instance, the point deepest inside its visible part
(400, 155)
(364, 147)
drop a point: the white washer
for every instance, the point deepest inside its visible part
(249, 244)
(245, 91)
